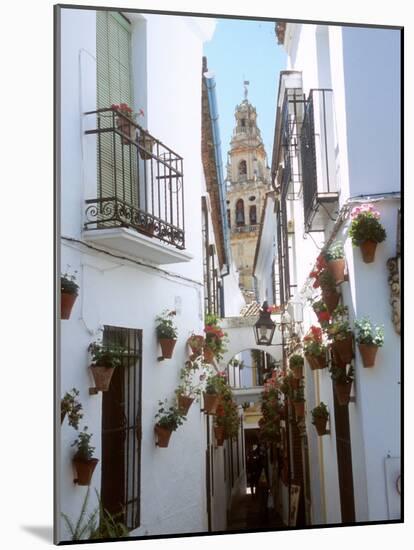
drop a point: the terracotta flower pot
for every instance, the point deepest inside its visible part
(196, 343)
(294, 383)
(331, 299)
(163, 435)
(102, 376)
(66, 304)
(126, 128)
(343, 349)
(208, 355)
(147, 229)
(320, 424)
(299, 408)
(184, 403)
(167, 347)
(211, 401)
(343, 392)
(316, 362)
(368, 251)
(368, 353)
(147, 144)
(219, 435)
(84, 470)
(337, 269)
(297, 372)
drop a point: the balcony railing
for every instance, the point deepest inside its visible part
(245, 229)
(318, 158)
(139, 181)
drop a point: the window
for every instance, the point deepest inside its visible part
(252, 215)
(228, 218)
(242, 168)
(121, 430)
(240, 212)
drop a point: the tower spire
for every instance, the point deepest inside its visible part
(246, 83)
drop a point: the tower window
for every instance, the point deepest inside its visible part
(253, 215)
(240, 212)
(228, 218)
(242, 168)
(243, 122)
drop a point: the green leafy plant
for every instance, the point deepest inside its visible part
(342, 375)
(321, 411)
(216, 338)
(296, 361)
(106, 355)
(68, 283)
(298, 395)
(85, 524)
(84, 450)
(227, 414)
(72, 407)
(189, 385)
(169, 418)
(319, 306)
(313, 342)
(165, 327)
(339, 329)
(368, 333)
(335, 251)
(237, 363)
(110, 526)
(327, 280)
(365, 225)
(216, 383)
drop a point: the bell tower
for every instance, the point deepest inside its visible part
(248, 180)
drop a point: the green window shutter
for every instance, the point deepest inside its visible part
(114, 85)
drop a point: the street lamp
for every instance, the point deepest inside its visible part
(264, 327)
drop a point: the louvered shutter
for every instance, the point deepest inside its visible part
(113, 52)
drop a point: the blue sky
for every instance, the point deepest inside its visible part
(245, 50)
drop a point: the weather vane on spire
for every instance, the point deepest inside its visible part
(246, 83)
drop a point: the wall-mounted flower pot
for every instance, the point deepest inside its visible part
(196, 343)
(102, 377)
(219, 435)
(337, 270)
(368, 249)
(126, 128)
(211, 401)
(167, 347)
(208, 355)
(344, 349)
(184, 403)
(343, 392)
(316, 362)
(320, 424)
(331, 299)
(299, 408)
(323, 316)
(163, 436)
(368, 353)
(294, 383)
(84, 470)
(66, 304)
(297, 372)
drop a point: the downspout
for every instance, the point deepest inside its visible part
(214, 116)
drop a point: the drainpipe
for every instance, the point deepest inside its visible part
(214, 116)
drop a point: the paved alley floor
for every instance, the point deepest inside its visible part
(246, 514)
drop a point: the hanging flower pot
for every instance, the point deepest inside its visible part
(337, 269)
(208, 355)
(102, 376)
(66, 304)
(343, 392)
(211, 400)
(331, 299)
(297, 372)
(320, 424)
(163, 435)
(368, 353)
(344, 349)
(167, 347)
(299, 408)
(294, 382)
(84, 470)
(184, 403)
(368, 249)
(219, 435)
(127, 128)
(316, 362)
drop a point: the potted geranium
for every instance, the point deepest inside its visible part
(215, 339)
(189, 389)
(105, 358)
(168, 420)
(369, 337)
(69, 290)
(296, 365)
(314, 348)
(83, 459)
(166, 333)
(215, 384)
(328, 286)
(342, 378)
(70, 406)
(320, 417)
(316, 271)
(341, 335)
(126, 121)
(335, 261)
(196, 343)
(299, 402)
(322, 313)
(366, 230)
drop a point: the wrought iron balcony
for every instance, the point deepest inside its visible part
(139, 181)
(319, 160)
